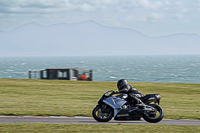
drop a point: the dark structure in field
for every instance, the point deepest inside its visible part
(61, 74)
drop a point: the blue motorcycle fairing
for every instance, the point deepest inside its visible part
(116, 103)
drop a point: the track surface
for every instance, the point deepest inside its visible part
(86, 120)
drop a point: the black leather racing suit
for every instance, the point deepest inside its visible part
(133, 94)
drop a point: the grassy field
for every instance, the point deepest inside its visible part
(78, 98)
(85, 128)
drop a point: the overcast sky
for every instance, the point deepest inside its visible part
(151, 17)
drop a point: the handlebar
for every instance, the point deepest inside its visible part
(109, 94)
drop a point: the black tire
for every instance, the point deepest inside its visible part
(153, 118)
(102, 114)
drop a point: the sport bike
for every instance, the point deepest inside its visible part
(121, 108)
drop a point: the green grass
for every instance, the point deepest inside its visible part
(72, 98)
(102, 128)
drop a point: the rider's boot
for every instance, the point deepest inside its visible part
(141, 105)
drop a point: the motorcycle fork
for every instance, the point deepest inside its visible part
(104, 107)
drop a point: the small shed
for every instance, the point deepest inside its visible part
(62, 74)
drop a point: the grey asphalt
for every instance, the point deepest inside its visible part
(86, 120)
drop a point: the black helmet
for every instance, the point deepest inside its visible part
(121, 84)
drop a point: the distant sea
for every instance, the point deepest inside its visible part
(141, 68)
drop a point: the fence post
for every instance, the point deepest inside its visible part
(29, 74)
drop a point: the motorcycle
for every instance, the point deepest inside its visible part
(121, 108)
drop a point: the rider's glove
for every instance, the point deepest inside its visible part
(113, 92)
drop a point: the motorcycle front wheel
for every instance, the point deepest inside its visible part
(102, 113)
(155, 116)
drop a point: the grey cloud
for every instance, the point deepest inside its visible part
(23, 6)
(53, 6)
(87, 8)
(46, 6)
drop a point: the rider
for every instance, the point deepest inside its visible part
(133, 93)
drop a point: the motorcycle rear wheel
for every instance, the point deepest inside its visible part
(102, 114)
(154, 117)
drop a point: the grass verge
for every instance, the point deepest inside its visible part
(85, 128)
(72, 98)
